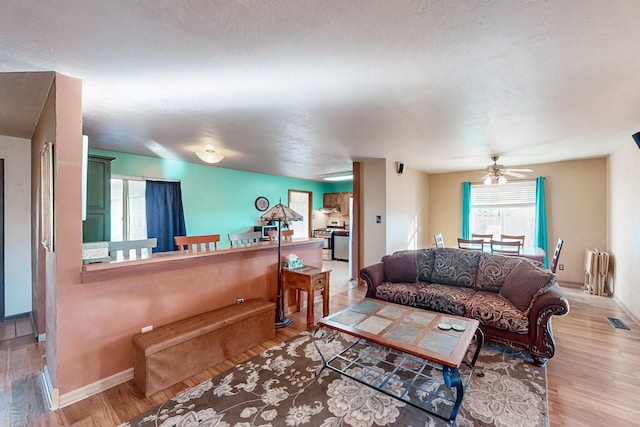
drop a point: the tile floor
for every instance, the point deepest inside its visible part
(16, 327)
(339, 278)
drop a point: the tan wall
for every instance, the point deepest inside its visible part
(623, 242)
(576, 208)
(43, 271)
(374, 202)
(407, 216)
(107, 313)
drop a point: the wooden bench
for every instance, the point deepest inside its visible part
(171, 353)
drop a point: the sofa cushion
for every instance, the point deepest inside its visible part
(424, 261)
(493, 310)
(523, 285)
(455, 266)
(443, 298)
(400, 267)
(493, 270)
(400, 293)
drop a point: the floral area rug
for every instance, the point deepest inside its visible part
(280, 387)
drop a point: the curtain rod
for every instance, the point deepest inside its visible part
(143, 178)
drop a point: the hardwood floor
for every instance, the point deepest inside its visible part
(593, 380)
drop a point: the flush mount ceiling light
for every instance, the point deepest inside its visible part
(340, 176)
(209, 156)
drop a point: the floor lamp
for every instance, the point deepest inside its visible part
(280, 213)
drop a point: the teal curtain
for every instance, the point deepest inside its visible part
(466, 209)
(541, 219)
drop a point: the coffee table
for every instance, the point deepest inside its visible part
(404, 352)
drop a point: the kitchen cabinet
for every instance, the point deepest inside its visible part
(337, 200)
(97, 226)
(331, 200)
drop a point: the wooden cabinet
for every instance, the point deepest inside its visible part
(309, 280)
(337, 200)
(331, 200)
(97, 226)
(344, 203)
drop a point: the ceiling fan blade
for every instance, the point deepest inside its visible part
(514, 174)
(519, 170)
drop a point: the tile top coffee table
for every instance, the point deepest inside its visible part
(407, 352)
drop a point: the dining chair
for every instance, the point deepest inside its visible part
(473, 244)
(486, 238)
(244, 239)
(205, 243)
(556, 256)
(505, 247)
(510, 237)
(286, 235)
(127, 245)
(439, 240)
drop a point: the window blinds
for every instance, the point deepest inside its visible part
(510, 194)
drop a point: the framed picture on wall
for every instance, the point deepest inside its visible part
(46, 196)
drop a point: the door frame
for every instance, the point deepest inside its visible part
(309, 213)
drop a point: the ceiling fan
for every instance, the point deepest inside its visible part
(496, 174)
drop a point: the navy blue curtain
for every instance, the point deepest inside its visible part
(165, 216)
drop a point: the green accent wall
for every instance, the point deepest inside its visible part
(218, 200)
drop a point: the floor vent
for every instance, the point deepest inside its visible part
(617, 323)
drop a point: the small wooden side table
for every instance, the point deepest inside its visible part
(308, 279)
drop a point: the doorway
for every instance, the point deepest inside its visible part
(300, 201)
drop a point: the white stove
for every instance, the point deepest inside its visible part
(325, 233)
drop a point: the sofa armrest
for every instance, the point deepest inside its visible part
(373, 275)
(546, 305)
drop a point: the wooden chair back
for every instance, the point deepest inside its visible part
(439, 240)
(486, 238)
(127, 245)
(244, 239)
(505, 247)
(556, 256)
(204, 243)
(287, 235)
(511, 238)
(473, 244)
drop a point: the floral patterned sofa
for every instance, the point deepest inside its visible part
(513, 298)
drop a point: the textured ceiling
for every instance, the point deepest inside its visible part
(302, 88)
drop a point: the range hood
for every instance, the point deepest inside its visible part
(325, 209)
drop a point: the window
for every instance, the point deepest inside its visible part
(504, 209)
(128, 209)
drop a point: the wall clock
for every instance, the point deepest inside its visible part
(262, 203)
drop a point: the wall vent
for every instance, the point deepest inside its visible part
(617, 323)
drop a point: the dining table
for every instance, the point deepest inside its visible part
(530, 252)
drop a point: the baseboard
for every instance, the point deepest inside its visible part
(51, 394)
(95, 388)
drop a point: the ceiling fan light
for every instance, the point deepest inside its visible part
(502, 179)
(487, 181)
(209, 156)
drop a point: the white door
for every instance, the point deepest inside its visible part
(300, 201)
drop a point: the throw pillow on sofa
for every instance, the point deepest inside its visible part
(424, 260)
(400, 267)
(456, 267)
(523, 285)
